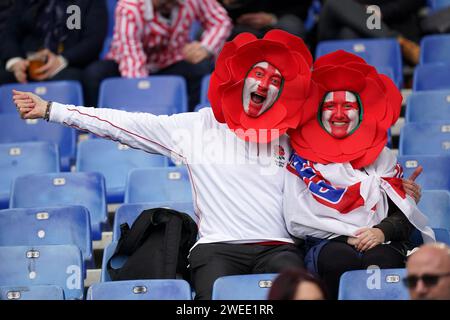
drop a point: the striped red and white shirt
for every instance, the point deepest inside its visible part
(145, 42)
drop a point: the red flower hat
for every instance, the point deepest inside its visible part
(285, 52)
(381, 104)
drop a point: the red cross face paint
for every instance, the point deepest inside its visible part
(261, 88)
(340, 113)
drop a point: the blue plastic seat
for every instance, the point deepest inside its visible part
(44, 292)
(204, 89)
(111, 6)
(373, 284)
(24, 158)
(438, 4)
(436, 173)
(377, 52)
(60, 265)
(47, 226)
(435, 48)
(428, 106)
(13, 130)
(432, 76)
(128, 212)
(158, 184)
(116, 263)
(243, 287)
(68, 92)
(431, 138)
(155, 289)
(435, 204)
(155, 94)
(114, 161)
(387, 71)
(63, 189)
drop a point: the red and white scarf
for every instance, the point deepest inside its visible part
(326, 201)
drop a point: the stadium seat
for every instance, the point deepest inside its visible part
(435, 204)
(204, 89)
(111, 5)
(114, 160)
(432, 76)
(442, 235)
(428, 138)
(63, 189)
(438, 4)
(155, 94)
(377, 52)
(47, 226)
(243, 287)
(387, 71)
(13, 130)
(24, 158)
(154, 289)
(115, 263)
(436, 170)
(435, 48)
(128, 212)
(60, 265)
(428, 106)
(68, 92)
(373, 284)
(158, 184)
(44, 292)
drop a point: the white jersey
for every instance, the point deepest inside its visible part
(237, 186)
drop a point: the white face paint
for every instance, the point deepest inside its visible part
(261, 88)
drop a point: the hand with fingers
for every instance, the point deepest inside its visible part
(195, 53)
(411, 187)
(366, 239)
(20, 70)
(49, 69)
(29, 105)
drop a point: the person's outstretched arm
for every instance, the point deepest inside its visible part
(166, 135)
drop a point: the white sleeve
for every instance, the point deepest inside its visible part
(166, 135)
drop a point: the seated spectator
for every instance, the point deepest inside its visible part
(38, 45)
(344, 196)
(152, 37)
(347, 19)
(297, 284)
(259, 16)
(429, 273)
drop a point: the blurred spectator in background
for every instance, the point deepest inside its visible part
(259, 16)
(429, 272)
(41, 40)
(297, 284)
(347, 19)
(153, 37)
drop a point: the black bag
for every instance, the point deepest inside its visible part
(156, 246)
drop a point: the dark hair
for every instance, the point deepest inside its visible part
(285, 285)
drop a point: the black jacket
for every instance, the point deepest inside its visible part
(81, 47)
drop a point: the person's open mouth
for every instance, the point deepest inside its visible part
(258, 98)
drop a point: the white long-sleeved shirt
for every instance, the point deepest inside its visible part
(237, 186)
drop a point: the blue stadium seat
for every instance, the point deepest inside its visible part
(63, 189)
(68, 92)
(432, 76)
(442, 235)
(128, 212)
(60, 265)
(24, 158)
(13, 130)
(373, 284)
(158, 184)
(438, 4)
(243, 287)
(377, 52)
(436, 170)
(44, 292)
(430, 138)
(204, 89)
(114, 160)
(387, 71)
(154, 289)
(435, 204)
(47, 226)
(428, 106)
(435, 48)
(111, 5)
(155, 94)
(115, 263)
